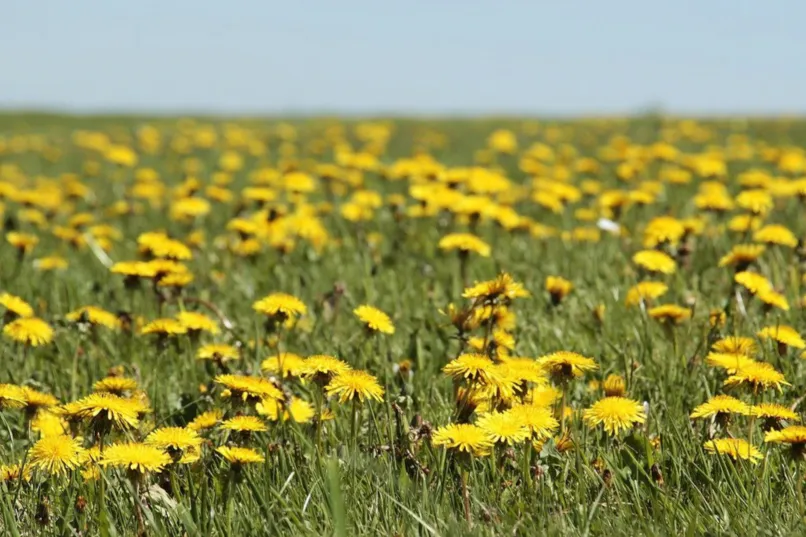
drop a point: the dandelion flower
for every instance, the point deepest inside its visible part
(206, 420)
(615, 414)
(94, 315)
(465, 243)
(291, 363)
(29, 331)
(321, 368)
(57, 454)
(106, 410)
(794, 435)
(783, 334)
(736, 345)
(753, 282)
(248, 388)
(614, 386)
(177, 441)
(164, 327)
(655, 261)
(135, 457)
(244, 424)
(195, 322)
(558, 288)
(353, 384)
(774, 412)
(776, 234)
(503, 287)
(742, 255)
(504, 427)
(757, 375)
(16, 305)
(729, 362)
(720, 405)
(567, 364)
(238, 456)
(218, 352)
(735, 448)
(644, 291)
(374, 319)
(47, 423)
(280, 305)
(537, 419)
(670, 313)
(297, 410)
(470, 367)
(12, 396)
(464, 438)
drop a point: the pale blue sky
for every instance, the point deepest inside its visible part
(411, 56)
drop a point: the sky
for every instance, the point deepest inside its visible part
(413, 57)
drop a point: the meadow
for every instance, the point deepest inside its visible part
(401, 327)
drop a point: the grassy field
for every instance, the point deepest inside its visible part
(561, 300)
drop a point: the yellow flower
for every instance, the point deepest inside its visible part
(219, 352)
(503, 287)
(772, 298)
(105, 410)
(23, 242)
(470, 367)
(135, 457)
(756, 201)
(753, 282)
(735, 448)
(729, 362)
(159, 245)
(94, 315)
(537, 419)
(644, 291)
(374, 319)
(297, 410)
(504, 427)
(614, 386)
(321, 368)
(776, 234)
(48, 424)
(176, 441)
(662, 230)
(742, 255)
(206, 420)
(558, 288)
(794, 435)
(673, 313)
(720, 404)
(35, 400)
(29, 331)
(758, 375)
(12, 396)
(115, 385)
(353, 384)
(567, 364)
(615, 414)
(463, 437)
(244, 424)
(783, 334)
(57, 454)
(16, 305)
(465, 243)
(655, 261)
(238, 456)
(247, 388)
(10, 473)
(736, 345)
(280, 305)
(197, 322)
(774, 411)
(164, 327)
(291, 363)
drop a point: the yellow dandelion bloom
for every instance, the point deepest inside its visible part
(783, 334)
(735, 448)
(29, 331)
(504, 427)
(280, 304)
(206, 420)
(614, 414)
(16, 305)
(464, 438)
(720, 404)
(246, 387)
(736, 345)
(776, 234)
(567, 364)
(757, 375)
(297, 410)
(670, 313)
(355, 384)
(470, 367)
(115, 385)
(644, 291)
(503, 287)
(292, 364)
(774, 411)
(94, 315)
(729, 362)
(238, 456)
(614, 386)
(794, 435)
(219, 352)
(558, 288)
(742, 255)
(57, 454)
(465, 243)
(12, 396)
(197, 322)
(655, 261)
(244, 424)
(174, 440)
(164, 327)
(135, 457)
(374, 319)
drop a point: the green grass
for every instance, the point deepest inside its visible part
(392, 483)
